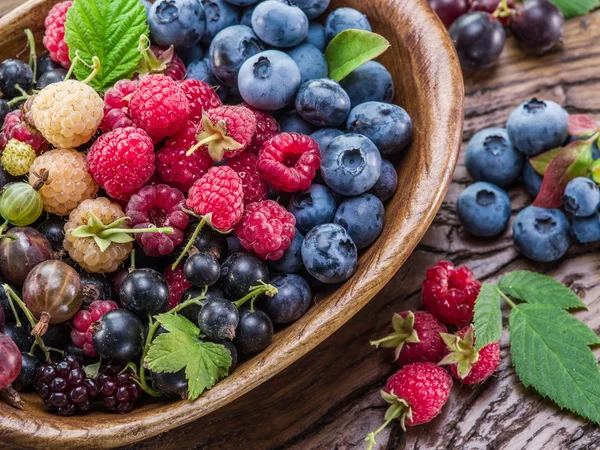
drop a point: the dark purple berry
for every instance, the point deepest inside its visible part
(538, 25)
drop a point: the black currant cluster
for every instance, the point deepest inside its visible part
(477, 27)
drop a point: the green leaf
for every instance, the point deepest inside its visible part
(534, 287)
(572, 8)
(540, 162)
(208, 364)
(110, 30)
(350, 49)
(582, 126)
(170, 352)
(487, 316)
(553, 358)
(174, 322)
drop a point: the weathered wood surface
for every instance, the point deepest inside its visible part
(329, 398)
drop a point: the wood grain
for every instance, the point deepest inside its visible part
(423, 64)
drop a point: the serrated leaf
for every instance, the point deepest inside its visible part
(110, 30)
(562, 369)
(208, 364)
(350, 49)
(540, 162)
(582, 125)
(573, 8)
(487, 316)
(534, 287)
(175, 322)
(170, 352)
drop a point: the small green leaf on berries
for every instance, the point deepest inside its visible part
(174, 322)
(170, 352)
(92, 370)
(573, 8)
(487, 316)
(350, 49)
(209, 363)
(540, 162)
(582, 125)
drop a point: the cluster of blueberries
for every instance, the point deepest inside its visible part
(498, 157)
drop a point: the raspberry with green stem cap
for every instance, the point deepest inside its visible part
(158, 61)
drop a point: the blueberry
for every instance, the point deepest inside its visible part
(229, 49)
(246, 18)
(269, 80)
(582, 197)
(310, 61)
(329, 254)
(541, 234)
(280, 23)
(371, 82)
(537, 126)
(323, 103)
(233, 97)
(313, 206)
(52, 76)
(14, 74)
(191, 54)
(388, 126)
(344, 19)
(387, 183)
(147, 4)
(324, 136)
(531, 179)
(291, 261)
(180, 23)
(312, 8)
(254, 332)
(292, 122)
(219, 15)
(291, 301)
(233, 245)
(46, 64)
(243, 2)
(362, 217)
(316, 36)
(483, 209)
(491, 157)
(587, 229)
(201, 70)
(351, 164)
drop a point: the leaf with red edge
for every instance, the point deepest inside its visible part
(573, 161)
(582, 125)
(540, 162)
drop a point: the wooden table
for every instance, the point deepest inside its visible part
(330, 398)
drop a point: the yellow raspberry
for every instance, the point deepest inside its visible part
(67, 113)
(69, 182)
(17, 157)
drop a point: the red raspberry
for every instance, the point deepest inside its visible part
(159, 106)
(467, 365)
(255, 188)
(201, 96)
(175, 167)
(226, 131)
(267, 229)
(15, 127)
(266, 128)
(54, 36)
(121, 161)
(116, 106)
(289, 161)
(160, 206)
(81, 334)
(449, 293)
(161, 60)
(218, 197)
(178, 283)
(415, 337)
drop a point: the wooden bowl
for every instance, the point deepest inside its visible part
(429, 86)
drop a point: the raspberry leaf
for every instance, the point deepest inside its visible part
(573, 8)
(208, 364)
(176, 323)
(487, 316)
(170, 352)
(534, 287)
(540, 163)
(109, 30)
(350, 49)
(582, 125)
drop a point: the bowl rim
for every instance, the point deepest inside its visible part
(19, 429)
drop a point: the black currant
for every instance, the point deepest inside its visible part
(20, 335)
(94, 287)
(202, 269)
(53, 229)
(218, 319)
(5, 304)
(14, 73)
(254, 332)
(118, 336)
(232, 350)
(29, 367)
(171, 383)
(144, 291)
(4, 110)
(191, 312)
(46, 64)
(538, 25)
(234, 245)
(291, 301)
(72, 349)
(57, 335)
(208, 241)
(449, 10)
(240, 272)
(50, 77)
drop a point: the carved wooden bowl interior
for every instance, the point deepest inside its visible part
(429, 86)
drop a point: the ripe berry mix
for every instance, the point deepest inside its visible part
(153, 203)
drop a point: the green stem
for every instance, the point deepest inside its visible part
(132, 259)
(502, 10)
(22, 305)
(104, 234)
(255, 291)
(95, 70)
(32, 54)
(12, 307)
(508, 300)
(189, 244)
(16, 100)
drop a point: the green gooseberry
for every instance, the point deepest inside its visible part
(20, 204)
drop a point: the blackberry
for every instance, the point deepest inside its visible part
(118, 391)
(65, 387)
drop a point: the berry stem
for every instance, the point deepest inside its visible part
(32, 53)
(211, 138)
(11, 397)
(12, 296)
(396, 412)
(506, 299)
(106, 233)
(255, 291)
(24, 96)
(132, 260)
(189, 244)
(502, 10)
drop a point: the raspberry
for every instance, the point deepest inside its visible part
(175, 167)
(65, 386)
(226, 131)
(116, 106)
(415, 337)
(159, 106)
(54, 36)
(68, 184)
(84, 250)
(15, 127)
(118, 390)
(255, 188)
(218, 197)
(289, 161)
(163, 61)
(266, 229)
(17, 157)
(201, 96)
(67, 113)
(121, 161)
(467, 365)
(178, 283)
(449, 293)
(266, 128)
(160, 206)
(81, 334)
